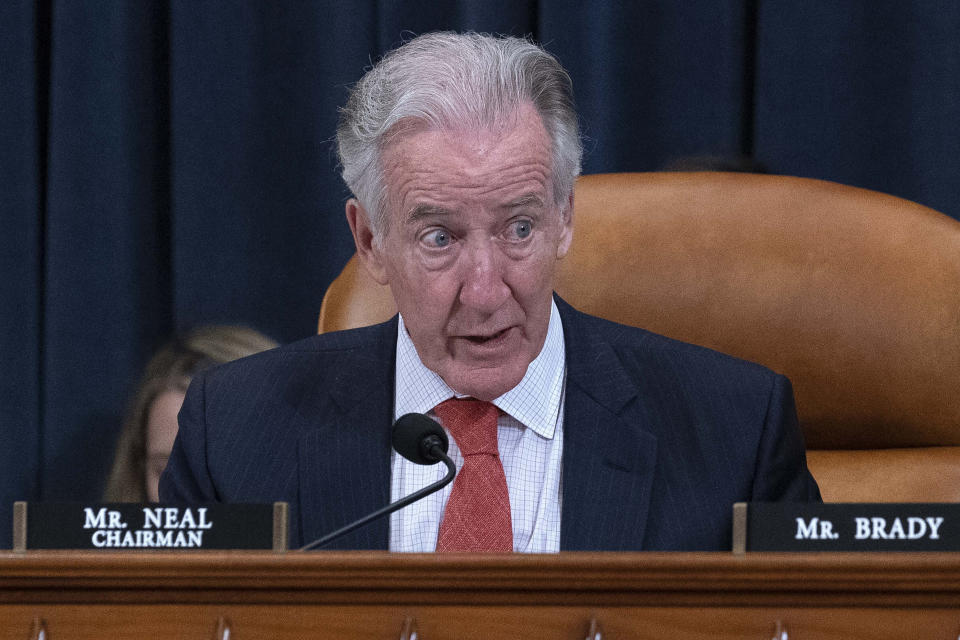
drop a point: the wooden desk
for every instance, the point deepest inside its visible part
(81, 595)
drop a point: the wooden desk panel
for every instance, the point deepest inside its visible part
(370, 595)
(199, 622)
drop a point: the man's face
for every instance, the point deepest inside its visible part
(471, 248)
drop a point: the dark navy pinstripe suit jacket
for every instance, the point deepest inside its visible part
(662, 437)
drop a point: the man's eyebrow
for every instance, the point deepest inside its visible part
(526, 200)
(422, 211)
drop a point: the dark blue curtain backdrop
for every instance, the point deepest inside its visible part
(170, 164)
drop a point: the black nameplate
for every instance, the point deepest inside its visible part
(144, 527)
(786, 526)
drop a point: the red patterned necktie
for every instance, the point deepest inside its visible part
(477, 517)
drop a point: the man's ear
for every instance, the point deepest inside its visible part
(367, 250)
(566, 234)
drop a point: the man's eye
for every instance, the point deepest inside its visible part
(522, 229)
(437, 238)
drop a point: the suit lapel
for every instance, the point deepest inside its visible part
(608, 460)
(344, 444)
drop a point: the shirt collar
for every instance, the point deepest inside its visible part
(535, 401)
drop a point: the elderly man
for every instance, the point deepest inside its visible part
(570, 432)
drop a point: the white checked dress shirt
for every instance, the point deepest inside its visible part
(530, 439)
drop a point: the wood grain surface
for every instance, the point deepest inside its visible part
(371, 595)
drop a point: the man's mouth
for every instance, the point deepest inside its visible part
(487, 339)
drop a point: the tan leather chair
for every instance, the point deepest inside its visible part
(853, 294)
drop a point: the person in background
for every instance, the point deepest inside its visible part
(150, 425)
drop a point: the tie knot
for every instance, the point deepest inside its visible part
(472, 423)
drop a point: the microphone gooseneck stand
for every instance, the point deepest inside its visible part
(421, 440)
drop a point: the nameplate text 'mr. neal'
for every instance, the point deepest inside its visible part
(145, 527)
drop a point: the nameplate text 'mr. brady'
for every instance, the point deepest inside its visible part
(788, 526)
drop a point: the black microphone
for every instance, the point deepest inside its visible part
(421, 440)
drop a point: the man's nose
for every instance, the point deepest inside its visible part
(484, 287)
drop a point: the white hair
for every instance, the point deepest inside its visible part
(449, 80)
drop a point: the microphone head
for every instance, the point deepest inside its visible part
(415, 434)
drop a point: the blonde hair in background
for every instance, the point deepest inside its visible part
(171, 368)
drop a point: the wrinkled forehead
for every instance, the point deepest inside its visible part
(423, 161)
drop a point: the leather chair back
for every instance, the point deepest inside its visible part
(853, 294)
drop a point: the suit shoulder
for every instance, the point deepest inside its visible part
(634, 345)
(314, 353)
(360, 338)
